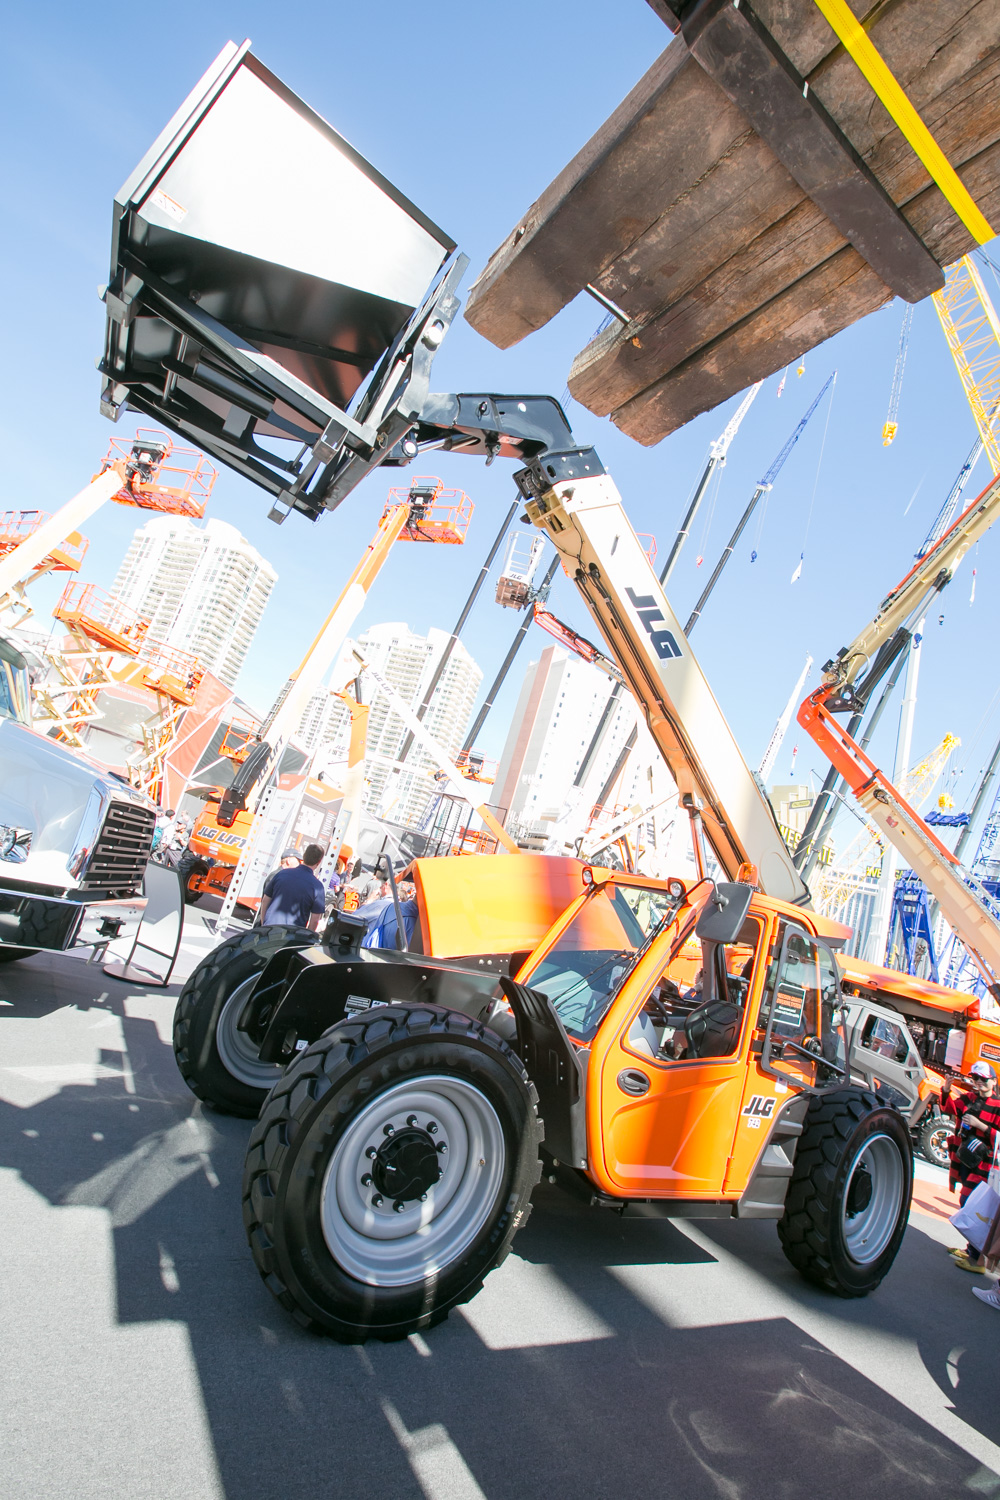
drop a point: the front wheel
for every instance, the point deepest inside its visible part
(192, 871)
(389, 1171)
(849, 1195)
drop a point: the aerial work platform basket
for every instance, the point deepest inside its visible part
(102, 618)
(17, 525)
(160, 476)
(174, 673)
(436, 514)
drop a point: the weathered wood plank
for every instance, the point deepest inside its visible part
(826, 301)
(657, 146)
(610, 371)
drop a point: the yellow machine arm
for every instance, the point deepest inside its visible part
(910, 596)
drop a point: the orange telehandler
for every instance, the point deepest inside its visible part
(681, 1040)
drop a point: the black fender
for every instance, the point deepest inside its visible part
(318, 989)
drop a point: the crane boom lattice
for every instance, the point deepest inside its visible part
(972, 329)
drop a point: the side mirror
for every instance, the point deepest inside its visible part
(723, 917)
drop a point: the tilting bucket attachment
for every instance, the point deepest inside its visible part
(262, 272)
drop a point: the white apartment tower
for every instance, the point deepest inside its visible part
(566, 727)
(406, 660)
(203, 589)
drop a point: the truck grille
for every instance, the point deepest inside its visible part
(118, 862)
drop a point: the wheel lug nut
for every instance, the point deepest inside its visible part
(431, 1128)
(399, 1205)
(411, 1120)
(389, 1130)
(443, 1148)
(376, 1200)
(371, 1153)
(366, 1180)
(423, 1197)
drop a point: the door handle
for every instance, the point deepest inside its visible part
(633, 1081)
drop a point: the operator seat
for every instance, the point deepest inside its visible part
(712, 1030)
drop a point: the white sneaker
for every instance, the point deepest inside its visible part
(991, 1298)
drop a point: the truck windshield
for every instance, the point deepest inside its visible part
(15, 699)
(584, 968)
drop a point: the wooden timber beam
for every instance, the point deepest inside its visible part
(680, 213)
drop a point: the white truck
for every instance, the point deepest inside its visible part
(74, 838)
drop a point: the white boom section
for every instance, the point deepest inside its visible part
(586, 522)
(24, 559)
(777, 739)
(720, 447)
(923, 580)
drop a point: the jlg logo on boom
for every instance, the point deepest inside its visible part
(663, 642)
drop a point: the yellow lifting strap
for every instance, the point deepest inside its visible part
(870, 62)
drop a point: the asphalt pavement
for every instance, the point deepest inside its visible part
(143, 1356)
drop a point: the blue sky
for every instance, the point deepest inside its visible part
(472, 111)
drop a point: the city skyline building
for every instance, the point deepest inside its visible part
(406, 660)
(202, 588)
(566, 729)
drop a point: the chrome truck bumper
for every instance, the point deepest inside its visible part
(55, 924)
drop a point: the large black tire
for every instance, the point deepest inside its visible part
(849, 1194)
(11, 955)
(307, 1191)
(933, 1136)
(187, 866)
(232, 1080)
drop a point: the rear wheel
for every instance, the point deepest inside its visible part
(933, 1139)
(849, 1195)
(389, 1172)
(191, 870)
(219, 1062)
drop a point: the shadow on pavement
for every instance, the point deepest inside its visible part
(597, 1397)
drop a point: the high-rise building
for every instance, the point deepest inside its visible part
(574, 744)
(561, 705)
(406, 660)
(203, 589)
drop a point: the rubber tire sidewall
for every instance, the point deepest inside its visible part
(299, 1142)
(935, 1123)
(822, 1162)
(187, 866)
(11, 955)
(200, 1005)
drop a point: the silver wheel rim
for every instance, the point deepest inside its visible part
(937, 1145)
(236, 1051)
(382, 1244)
(868, 1231)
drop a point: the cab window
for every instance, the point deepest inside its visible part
(885, 1039)
(689, 1016)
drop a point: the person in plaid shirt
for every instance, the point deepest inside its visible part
(977, 1124)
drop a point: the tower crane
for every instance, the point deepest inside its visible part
(891, 426)
(972, 329)
(716, 460)
(763, 485)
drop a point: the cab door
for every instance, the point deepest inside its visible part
(667, 1125)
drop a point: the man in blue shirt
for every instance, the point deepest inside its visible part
(294, 897)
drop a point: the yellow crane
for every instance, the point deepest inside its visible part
(972, 329)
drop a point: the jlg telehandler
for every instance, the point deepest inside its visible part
(668, 1047)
